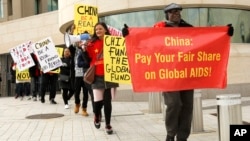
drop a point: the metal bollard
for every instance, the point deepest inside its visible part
(197, 123)
(154, 102)
(164, 108)
(229, 112)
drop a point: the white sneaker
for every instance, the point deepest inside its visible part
(66, 106)
(28, 98)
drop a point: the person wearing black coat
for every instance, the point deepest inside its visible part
(65, 77)
(35, 74)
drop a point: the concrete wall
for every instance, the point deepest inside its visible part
(54, 24)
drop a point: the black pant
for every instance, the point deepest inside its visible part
(34, 84)
(67, 94)
(88, 86)
(179, 113)
(23, 89)
(79, 84)
(48, 82)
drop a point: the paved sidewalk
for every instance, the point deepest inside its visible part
(130, 120)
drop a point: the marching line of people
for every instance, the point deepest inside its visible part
(79, 57)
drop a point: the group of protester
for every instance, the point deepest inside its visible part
(77, 59)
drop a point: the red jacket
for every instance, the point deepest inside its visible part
(160, 24)
(95, 52)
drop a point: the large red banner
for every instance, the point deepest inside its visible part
(169, 59)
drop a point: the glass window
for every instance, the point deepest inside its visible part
(1, 8)
(195, 16)
(52, 5)
(37, 6)
(10, 8)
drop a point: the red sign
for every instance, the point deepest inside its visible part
(169, 59)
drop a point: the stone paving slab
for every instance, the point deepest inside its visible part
(130, 120)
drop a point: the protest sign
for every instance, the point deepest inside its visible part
(169, 59)
(114, 31)
(115, 60)
(22, 75)
(21, 56)
(60, 53)
(85, 18)
(47, 54)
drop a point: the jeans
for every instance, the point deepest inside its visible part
(79, 84)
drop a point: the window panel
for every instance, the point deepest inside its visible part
(52, 5)
(195, 16)
(1, 8)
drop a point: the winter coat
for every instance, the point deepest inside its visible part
(65, 69)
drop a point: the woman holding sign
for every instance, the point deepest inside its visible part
(101, 88)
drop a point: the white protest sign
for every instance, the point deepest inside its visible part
(113, 31)
(47, 54)
(21, 56)
(29, 46)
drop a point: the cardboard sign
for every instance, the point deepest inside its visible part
(21, 56)
(115, 60)
(47, 54)
(85, 18)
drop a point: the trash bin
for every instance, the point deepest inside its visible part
(229, 112)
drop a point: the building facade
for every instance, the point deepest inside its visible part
(32, 20)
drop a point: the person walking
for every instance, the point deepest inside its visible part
(35, 74)
(179, 112)
(22, 83)
(48, 82)
(65, 77)
(101, 89)
(80, 85)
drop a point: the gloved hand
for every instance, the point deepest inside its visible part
(85, 36)
(64, 65)
(230, 31)
(125, 31)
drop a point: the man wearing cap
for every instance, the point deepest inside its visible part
(179, 110)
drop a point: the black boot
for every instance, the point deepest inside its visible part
(169, 138)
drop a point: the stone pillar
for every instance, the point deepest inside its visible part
(197, 123)
(228, 112)
(154, 101)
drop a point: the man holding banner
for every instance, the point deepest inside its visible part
(179, 101)
(179, 110)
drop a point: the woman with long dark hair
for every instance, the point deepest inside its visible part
(65, 84)
(101, 88)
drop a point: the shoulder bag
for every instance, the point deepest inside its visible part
(89, 75)
(64, 77)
